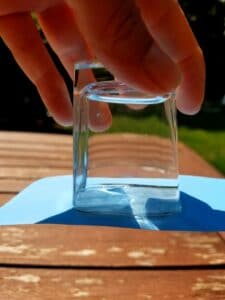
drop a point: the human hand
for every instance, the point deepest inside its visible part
(146, 43)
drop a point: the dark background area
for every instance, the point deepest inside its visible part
(22, 109)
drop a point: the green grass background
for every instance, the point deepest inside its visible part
(209, 144)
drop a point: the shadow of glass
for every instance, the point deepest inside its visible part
(195, 216)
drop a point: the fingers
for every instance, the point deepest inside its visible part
(190, 93)
(168, 26)
(18, 6)
(21, 36)
(121, 41)
(153, 51)
(60, 28)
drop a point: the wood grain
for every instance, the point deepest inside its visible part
(5, 197)
(25, 157)
(102, 246)
(35, 284)
(54, 151)
(32, 173)
(117, 147)
(222, 234)
(27, 137)
(14, 185)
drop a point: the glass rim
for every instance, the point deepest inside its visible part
(111, 91)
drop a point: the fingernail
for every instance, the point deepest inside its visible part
(188, 99)
(188, 109)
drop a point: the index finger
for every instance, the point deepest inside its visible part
(168, 26)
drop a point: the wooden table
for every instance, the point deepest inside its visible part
(68, 262)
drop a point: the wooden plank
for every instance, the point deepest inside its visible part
(115, 145)
(113, 246)
(13, 161)
(59, 147)
(101, 246)
(40, 146)
(56, 155)
(26, 284)
(5, 198)
(222, 234)
(33, 173)
(31, 138)
(191, 163)
(13, 185)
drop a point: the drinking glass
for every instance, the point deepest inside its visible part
(125, 147)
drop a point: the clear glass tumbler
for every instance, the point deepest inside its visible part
(125, 147)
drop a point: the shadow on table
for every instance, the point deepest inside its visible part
(195, 216)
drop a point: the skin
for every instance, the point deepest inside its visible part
(145, 43)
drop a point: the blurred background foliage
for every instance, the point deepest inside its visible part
(207, 19)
